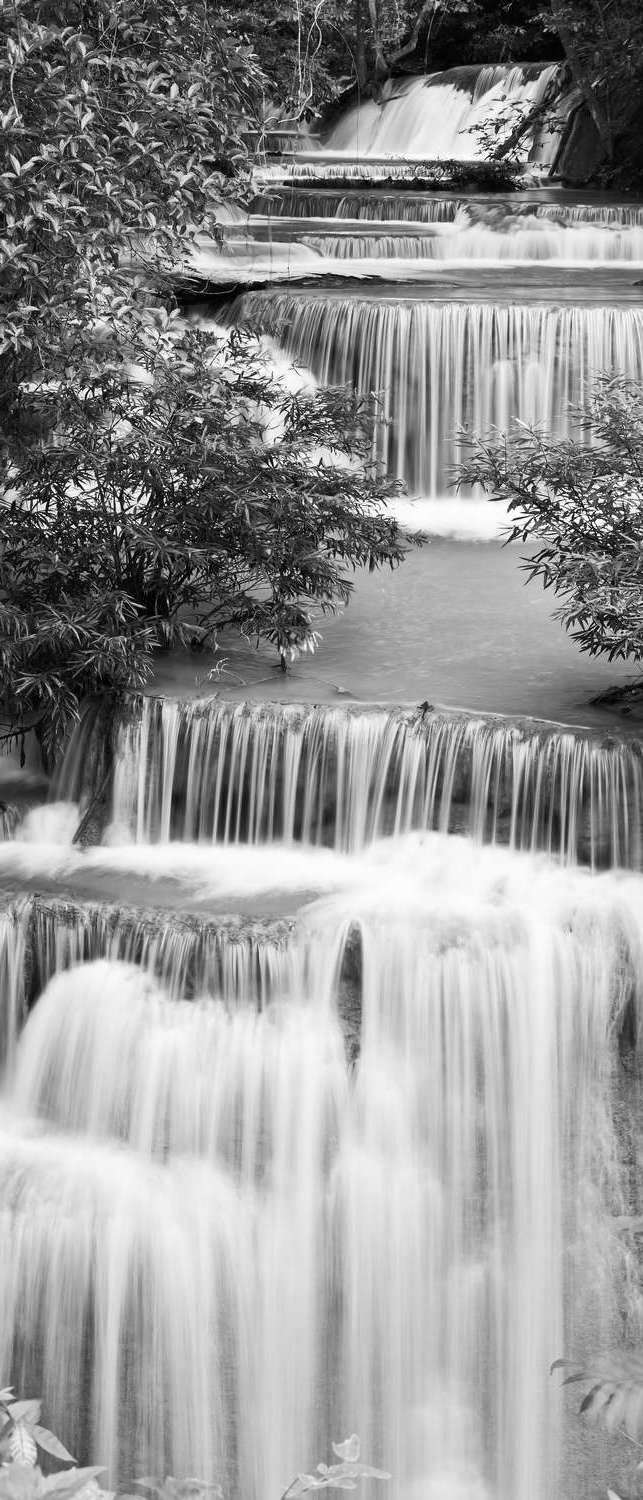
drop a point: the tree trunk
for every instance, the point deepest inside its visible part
(382, 68)
(360, 47)
(426, 9)
(583, 80)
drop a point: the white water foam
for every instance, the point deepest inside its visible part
(243, 1225)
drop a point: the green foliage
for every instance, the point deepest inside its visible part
(581, 502)
(341, 1476)
(22, 1479)
(21, 1439)
(312, 50)
(492, 31)
(615, 1396)
(21, 1433)
(194, 496)
(614, 1400)
(141, 502)
(603, 43)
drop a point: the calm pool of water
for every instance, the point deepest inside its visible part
(456, 624)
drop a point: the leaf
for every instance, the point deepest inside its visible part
(26, 1411)
(20, 1445)
(349, 1449)
(51, 1444)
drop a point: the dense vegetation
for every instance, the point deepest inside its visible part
(157, 484)
(314, 49)
(581, 503)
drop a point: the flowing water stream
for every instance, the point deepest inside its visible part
(320, 1110)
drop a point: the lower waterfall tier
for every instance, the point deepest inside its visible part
(224, 1245)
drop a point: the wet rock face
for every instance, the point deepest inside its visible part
(581, 153)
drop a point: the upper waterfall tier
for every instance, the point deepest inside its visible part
(458, 115)
(441, 367)
(242, 773)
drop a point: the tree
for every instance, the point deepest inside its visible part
(173, 506)
(581, 502)
(142, 502)
(313, 50)
(603, 44)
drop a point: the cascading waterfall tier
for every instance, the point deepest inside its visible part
(188, 954)
(441, 367)
(229, 1247)
(238, 961)
(539, 240)
(482, 228)
(297, 203)
(620, 215)
(206, 770)
(452, 116)
(436, 209)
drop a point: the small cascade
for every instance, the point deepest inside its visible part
(106, 1052)
(213, 1228)
(421, 208)
(441, 367)
(302, 205)
(187, 955)
(372, 171)
(621, 215)
(539, 242)
(242, 773)
(452, 116)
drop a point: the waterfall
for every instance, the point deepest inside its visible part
(187, 955)
(300, 204)
(13, 955)
(444, 116)
(440, 367)
(540, 242)
(434, 209)
(321, 1073)
(366, 172)
(619, 215)
(253, 773)
(228, 1246)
